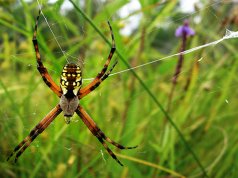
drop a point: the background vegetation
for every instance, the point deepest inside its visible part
(203, 106)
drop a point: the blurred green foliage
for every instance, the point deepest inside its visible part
(204, 106)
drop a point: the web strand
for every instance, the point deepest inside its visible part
(229, 35)
(63, 52)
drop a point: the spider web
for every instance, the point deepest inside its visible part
(228, 35)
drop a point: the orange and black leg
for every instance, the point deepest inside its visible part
(39, 128)
(96, 131)
(41, 68)
(95, 83)
(84, 92)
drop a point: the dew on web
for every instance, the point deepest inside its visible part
(199, 60)
(74, 119)
(68, 148)
(227, 101)
(102, 154)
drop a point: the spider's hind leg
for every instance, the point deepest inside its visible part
(101, 137)
(113, 142)
(96, 131)
(109, 150)
(39, 128)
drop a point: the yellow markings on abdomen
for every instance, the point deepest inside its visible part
(71, 78)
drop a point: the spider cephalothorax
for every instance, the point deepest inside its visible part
(70, 83)
(70, 93)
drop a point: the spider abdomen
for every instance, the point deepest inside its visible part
(71, 79)
(68, 105)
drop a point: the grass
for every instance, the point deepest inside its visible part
(197, 134)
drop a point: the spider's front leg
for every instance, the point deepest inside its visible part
(41, 68)
(102, 75)
(39, 128)
(84, 92)
(96, 131)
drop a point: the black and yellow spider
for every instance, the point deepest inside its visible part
(70, 93)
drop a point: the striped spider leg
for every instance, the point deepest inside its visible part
(70, 93)
(88, 121)
(101, 75)
(41, 68)
(39, 128)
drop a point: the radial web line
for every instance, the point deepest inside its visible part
(63, 52)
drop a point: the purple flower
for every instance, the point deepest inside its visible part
(184, 30)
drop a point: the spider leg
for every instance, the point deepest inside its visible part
(113, 49)
(41, 68)
(84, 92)
(104, 69)
(113, 142)
(109, 150)
(39, 128)
(88, 121)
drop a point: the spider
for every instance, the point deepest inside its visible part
(70, 93)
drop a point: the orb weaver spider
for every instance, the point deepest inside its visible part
(70, 93)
